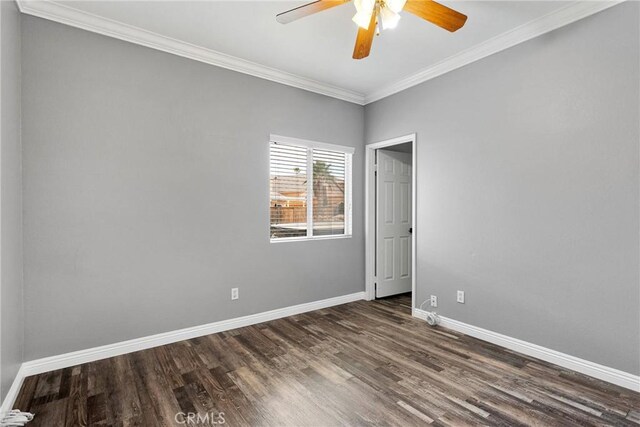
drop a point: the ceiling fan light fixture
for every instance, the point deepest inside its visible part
(362, 19)
(365, 6)
(364, 10)
(395, 5)
(389, 18)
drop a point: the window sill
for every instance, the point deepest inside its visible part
(305, 239)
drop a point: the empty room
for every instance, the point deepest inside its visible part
(319, 213)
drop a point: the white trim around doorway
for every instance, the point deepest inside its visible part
(370, 210)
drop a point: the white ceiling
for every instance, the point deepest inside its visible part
(319, 46)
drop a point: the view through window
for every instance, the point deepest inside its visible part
(309, 191)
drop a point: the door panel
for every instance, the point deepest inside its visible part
(388, 207)
(405, 202)
(393, 207)
(405, 257)
(388, 259)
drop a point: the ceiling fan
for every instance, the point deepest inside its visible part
(370, 14)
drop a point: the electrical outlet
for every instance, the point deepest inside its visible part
(234, 293)
(460, 297)
(434, 301)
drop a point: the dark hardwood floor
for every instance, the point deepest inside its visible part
(364, 363)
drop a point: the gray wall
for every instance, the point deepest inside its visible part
(11, 310)
(146, 192)
(528, 188)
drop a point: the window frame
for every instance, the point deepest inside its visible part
(348, 182)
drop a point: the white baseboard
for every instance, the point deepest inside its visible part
(38, 366)
(601, 372)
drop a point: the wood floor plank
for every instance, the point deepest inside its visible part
(27, 393)
(363, 363)
(77, 401)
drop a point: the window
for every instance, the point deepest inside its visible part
(310, 189)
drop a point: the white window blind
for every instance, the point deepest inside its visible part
(310, 190)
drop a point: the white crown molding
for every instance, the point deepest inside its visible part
(76, 18)
(601, 372)
(90, 22)
(67, 360)
(527, 31)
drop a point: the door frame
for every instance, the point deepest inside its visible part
(370, 210)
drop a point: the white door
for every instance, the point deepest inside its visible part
(393, 223)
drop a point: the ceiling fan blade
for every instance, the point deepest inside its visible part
(365, 39)
(307, 9)
(436, 13)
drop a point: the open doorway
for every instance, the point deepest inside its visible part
(390, 213)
